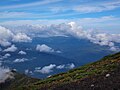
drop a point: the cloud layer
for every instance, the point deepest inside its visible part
(70, 29)
(102, 39)
(64, 29)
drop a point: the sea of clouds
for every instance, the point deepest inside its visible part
(25, 33)
(13, 34)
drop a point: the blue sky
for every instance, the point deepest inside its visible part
(103, 13)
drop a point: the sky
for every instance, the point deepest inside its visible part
(97, 14)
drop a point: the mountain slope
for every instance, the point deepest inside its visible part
(101, 75)
(19, 80)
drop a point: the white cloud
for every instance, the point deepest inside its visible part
(39, 3)
(37, 68)
(60, 67)
(14, 14)
(20, 60)
(98, 6)
(41, 31)
(4, 43)
(58, 10)
(67, 66)
(5, 36)
(102, 39)
(5, 73)
(21, 37)
(5, 33)
(70, 66)
(27, 71)
(95, 6)
(6, 55)
(46, 69)
(45, 48)
(13, 48)
(114, 49)
(58, 51)
(22, 53)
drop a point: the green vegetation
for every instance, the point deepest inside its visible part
(107, 64)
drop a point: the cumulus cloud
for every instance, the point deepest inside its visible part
(20, 60)
(7, 36)
(45, 48)
(46, 69)
(102, 39)
(5, 73)
(22, 53)
(5, 33)
(67, 66)
(6, 55)
(13, 48)
(21, 37)
(4, 43)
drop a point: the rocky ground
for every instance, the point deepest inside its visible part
(107, 81)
